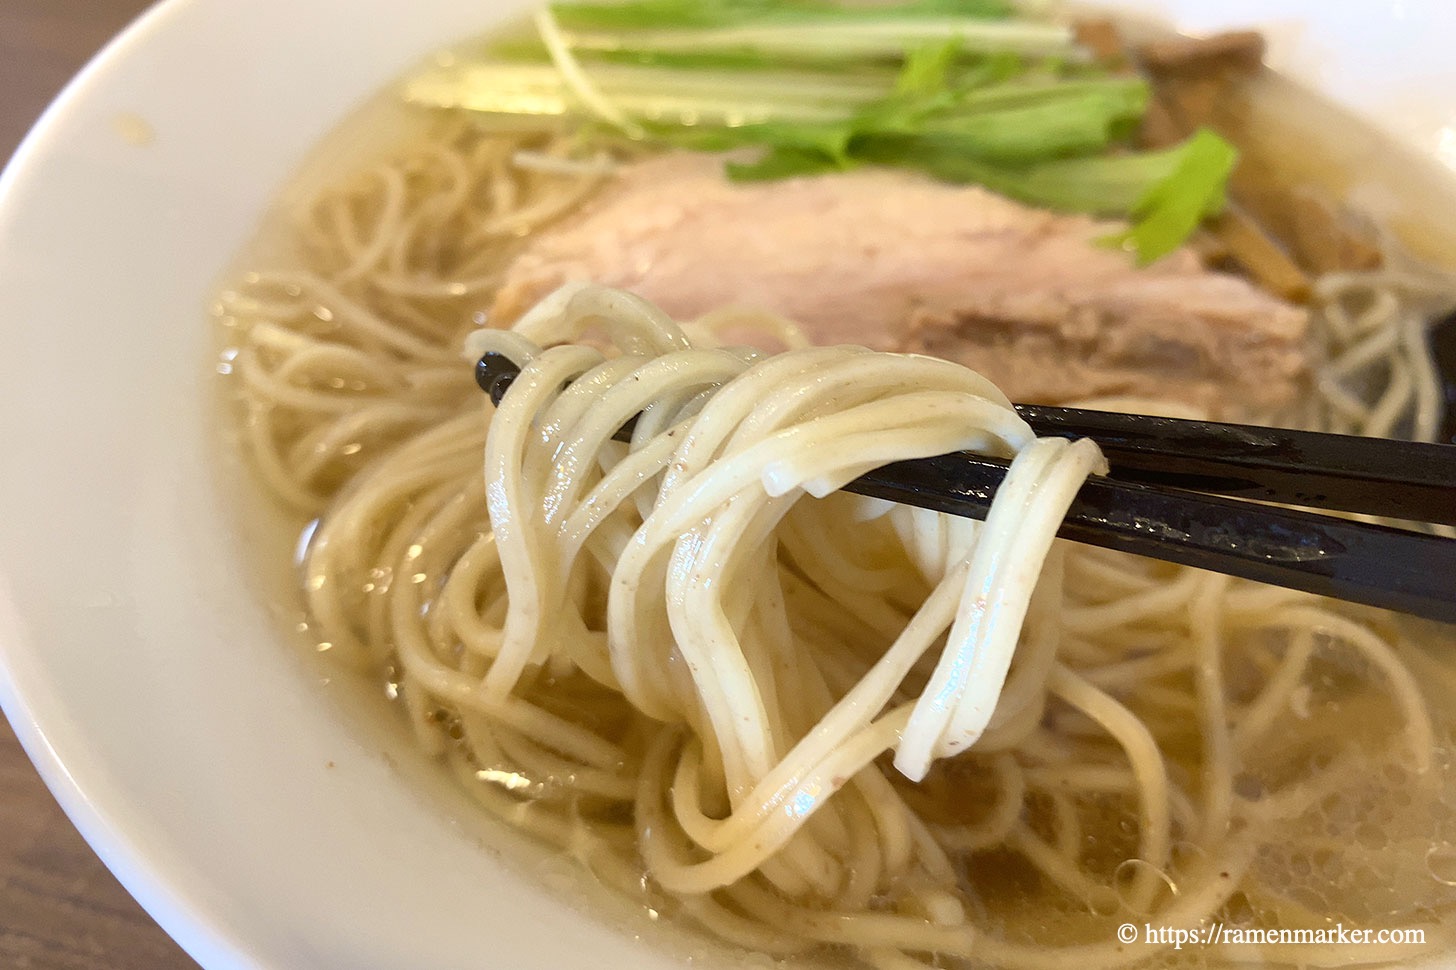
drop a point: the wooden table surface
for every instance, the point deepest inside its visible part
(59, 907)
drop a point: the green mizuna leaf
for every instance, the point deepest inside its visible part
(1165, 193)
(927, 70)
(1174, 206)
(783, 162)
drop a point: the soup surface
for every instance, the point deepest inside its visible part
(1172, 751)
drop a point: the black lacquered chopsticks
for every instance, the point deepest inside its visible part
(1398, 479)
(1442, 336)
(1375, 565)
(1153, 502)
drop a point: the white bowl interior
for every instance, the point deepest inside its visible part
(243, 805)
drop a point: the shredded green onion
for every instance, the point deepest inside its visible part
(963, 90)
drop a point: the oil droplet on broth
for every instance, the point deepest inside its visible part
(1441, 863)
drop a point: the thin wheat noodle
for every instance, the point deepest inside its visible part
(696, 668)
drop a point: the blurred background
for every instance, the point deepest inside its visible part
(59, 907)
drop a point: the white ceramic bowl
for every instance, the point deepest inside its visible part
(199, 755)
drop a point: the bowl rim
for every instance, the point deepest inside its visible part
(194, 927)
(194, 922)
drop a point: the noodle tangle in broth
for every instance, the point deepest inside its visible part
(800, 718)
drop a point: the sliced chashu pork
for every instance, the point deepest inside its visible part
(894, 261)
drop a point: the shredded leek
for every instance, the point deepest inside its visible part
(962, 90)
(702, 14)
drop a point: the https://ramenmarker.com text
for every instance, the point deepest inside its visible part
(1220, 934)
